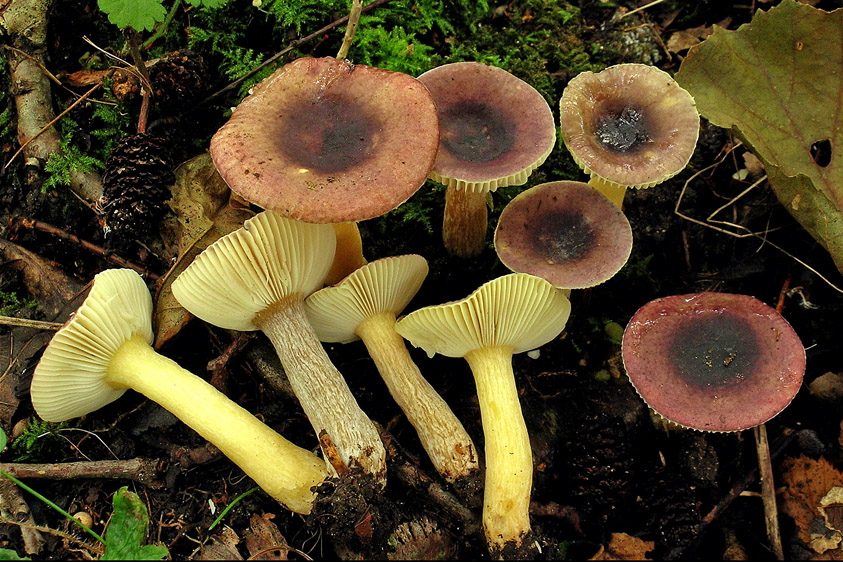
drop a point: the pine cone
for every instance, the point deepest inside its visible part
(136, 185)
(178, 80)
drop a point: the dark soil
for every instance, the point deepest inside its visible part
(603, 465)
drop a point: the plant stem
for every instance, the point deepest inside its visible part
(163, 27)
(351, 28)
(768, 490)
(51, 504)
(146, 84)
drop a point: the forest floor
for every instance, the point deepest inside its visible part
(610, 481)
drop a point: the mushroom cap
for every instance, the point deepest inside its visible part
(516, 310)
(629, 125)
(384, 285)
(713, 361)
(495, 128)
(270, 258)
(323, 140)
(69, 381)
(566, 232)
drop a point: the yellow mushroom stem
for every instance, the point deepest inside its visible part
(613, 192)
(465, 221)
(283, 470)
(349, 254)
(320, 387)
(509, 461)
(441, 434)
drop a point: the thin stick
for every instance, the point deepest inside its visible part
(146, 81)
(25, 323)
(51, 123)
(99, 250)
(351, 29)
(287, 49)
(768, 490)
(644, 7)
(138, 469)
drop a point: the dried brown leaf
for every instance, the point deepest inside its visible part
(624, 547)
(807, 482)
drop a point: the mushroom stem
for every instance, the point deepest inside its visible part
(349, 254)
(441, 434)
(464, 223)
(509, 461)
(322, 391)
(283, 470)
(613, 192)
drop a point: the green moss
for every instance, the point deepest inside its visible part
(11, 303)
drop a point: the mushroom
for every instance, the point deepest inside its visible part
(630, 125)
(364, 306)
(511, 314)
(495, 130)
(326, 141)
(256, 278)
(105, 349)
(565, 232)
(717, 362)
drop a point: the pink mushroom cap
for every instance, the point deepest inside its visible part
(713, 361)
(322, 140)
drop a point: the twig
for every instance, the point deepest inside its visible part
(351, 29)
(35, 61)
(761, 235)
(146, 81)
(768, 491)
(139, 470)
(286, 50)
(51, 123)
(99, 250)
(644, 7)
(26, 323)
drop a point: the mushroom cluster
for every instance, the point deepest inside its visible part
(323, 143)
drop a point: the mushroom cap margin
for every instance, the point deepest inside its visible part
(516, 310)
(69, 382)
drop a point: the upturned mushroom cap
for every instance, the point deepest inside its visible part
(565, 232)
(629, 125)
(495, 128)
(517, 310)
(245, 272)
(323, 140)
(384, 285)
(69, 380)
(713, 361)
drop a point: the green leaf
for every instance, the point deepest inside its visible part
(776, 83)
(3, 440)
(206, 3)
(7, 554)
(127, 530)
(138, 14)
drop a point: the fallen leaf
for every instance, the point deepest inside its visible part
(807, 482)
(263, 535)
(204, 211)
(222, 547)
(775, 82)
(45, 282)
(624, 547)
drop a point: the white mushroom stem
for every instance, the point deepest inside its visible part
(322, 391)
(509, 461)
(283, 470)
(441, 434)
(465, 222)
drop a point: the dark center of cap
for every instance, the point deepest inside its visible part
(329, 135)
(623, 131)
(715, 349)
(563, 236)
(474, 132)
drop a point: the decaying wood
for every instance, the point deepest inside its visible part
(25, 22)
(144, 471)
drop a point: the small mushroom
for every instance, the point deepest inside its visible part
(630, 125)
(495, 130)
(717, 362)
(511, 314)
(364, 306)
(713, 361)
(565, 232)
(105, 349)
(257, 278)
(326, 141)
